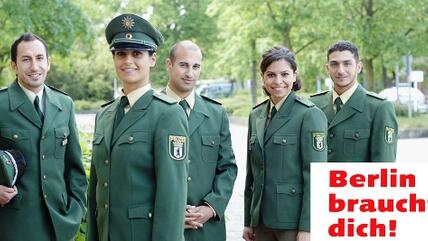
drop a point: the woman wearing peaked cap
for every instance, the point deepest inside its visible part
(285, 134)
(138, 176)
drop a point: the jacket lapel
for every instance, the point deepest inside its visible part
(197, 115)
(355, 104)
(19, 101)
(52, 106)
(137, 111)
(326, 106)
(282, 117)
(108, 122)
(261, 122)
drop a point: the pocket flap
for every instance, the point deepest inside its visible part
(62, 132)
(291, 189)
(210, 140)
(97, 139)
(252, 139)
(14, 134)
(140, 212)
(285, 139)
(130, 138)
(357, 134)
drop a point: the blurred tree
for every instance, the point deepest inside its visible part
(60, 23)
(179, 20)
(384, 30)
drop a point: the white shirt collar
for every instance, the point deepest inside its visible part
(190, 98)
(32, 96)
(134, 95)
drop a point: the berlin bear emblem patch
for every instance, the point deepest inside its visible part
(318, 141)
(177, 147)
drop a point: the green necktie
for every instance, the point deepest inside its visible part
(183, 103)
(120, 113)
(37, 107)
(338, 102)
(269, 117)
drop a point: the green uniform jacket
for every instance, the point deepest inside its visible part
(277, 185)
(212, 167)
(364, 130)
(138, 186)
(52, 189)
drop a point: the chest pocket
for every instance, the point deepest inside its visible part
(251, 142)
(285, 140)
(14, 138)
(210, 148)
(134, 137)
(356, 141)
(61, 141)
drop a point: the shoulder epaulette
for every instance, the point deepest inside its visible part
(164, 98)
(373, 94)
(320, 93)
(108, 103)
(304, 101)
(60, 91)
(260, 104)
(210, 100)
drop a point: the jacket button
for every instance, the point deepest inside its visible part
(44, 177)
(106, 162)
(106, 205)
(330, 150)
(43, 157)
(212, 143)
(284, 141)
(43, 137)
(293, 191)
(189, 179)
(357, 135)
(331, 135)
(105, 184)
(15, 136)
(130, 139)
(45, 196)
(150, 215)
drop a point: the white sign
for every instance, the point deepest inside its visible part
(369, 201)
(417, 76)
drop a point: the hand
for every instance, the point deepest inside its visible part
(248, 234)
(303, 236)
(190, 218)
(6, 194)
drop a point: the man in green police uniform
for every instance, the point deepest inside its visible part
(48, 202)
(212, 167)
(362, 125)
(138, 176)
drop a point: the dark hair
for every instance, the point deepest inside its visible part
(26, 37)
(344, 45)
(277, 53)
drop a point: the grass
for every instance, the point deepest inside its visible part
(419, 121)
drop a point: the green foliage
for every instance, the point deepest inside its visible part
(88, 106)
(59, 23)
(238, 105)
(419, 121)
(232, 35)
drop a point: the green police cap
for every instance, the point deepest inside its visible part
(12, 167)
(130, 31)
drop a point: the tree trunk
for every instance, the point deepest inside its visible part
(253, 90)
(368, 74)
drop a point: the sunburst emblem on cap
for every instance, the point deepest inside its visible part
(128, 22)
